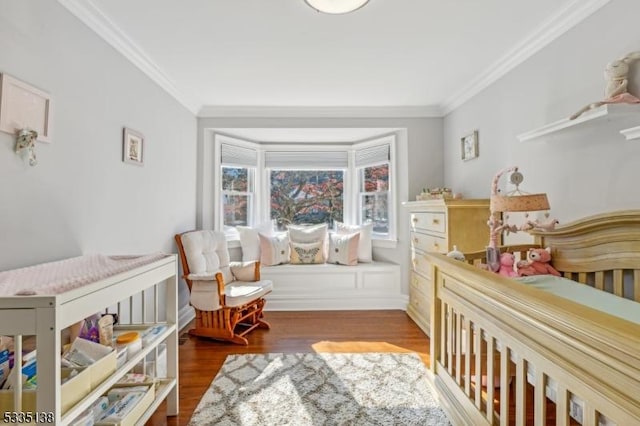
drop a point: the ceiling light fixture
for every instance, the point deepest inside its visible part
(336, 7)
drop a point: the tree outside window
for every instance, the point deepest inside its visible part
(306, 196)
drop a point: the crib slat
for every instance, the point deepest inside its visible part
(490, 375)
(600, 280)
(521, 391)
(444, 338)
(540, 414)
(589, 415)
(582, 277)
(562, 405)
(467, 357)
(504, 385)
(618, 283)
(458, 327)
(636, 285)
(450, 342)
(478, 376)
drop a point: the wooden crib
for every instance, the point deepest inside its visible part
(541, 359)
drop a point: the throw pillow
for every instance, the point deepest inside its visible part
(307, 233)
(250, 242)
(343, 249)
(307, 253)
(274, 249)
(364, 246)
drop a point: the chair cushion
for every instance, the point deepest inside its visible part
(206, 253)
(239, 292)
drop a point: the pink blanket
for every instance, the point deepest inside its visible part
(64, 275)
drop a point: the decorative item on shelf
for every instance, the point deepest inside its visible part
(336, 7)
(514, 201)
(435, 194)
(615, 92)
(469, 144)
(133, 147)
(26, 139)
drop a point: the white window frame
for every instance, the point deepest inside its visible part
(391, 190)
(261, 211)
(254, 207)
(346, 174)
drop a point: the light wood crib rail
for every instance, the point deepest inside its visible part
(541, 359)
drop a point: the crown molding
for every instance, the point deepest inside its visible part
(571, 15)
(91, 15)
(215, 111)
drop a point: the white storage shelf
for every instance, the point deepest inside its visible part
(46, 316)
(623, 119)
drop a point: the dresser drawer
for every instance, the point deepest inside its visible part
(420, 264)
(421, 284)
(420, 305)
(429, 221)
(424, 242)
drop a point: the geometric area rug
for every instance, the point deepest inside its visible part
(320, 389)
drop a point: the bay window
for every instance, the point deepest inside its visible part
(306, 184)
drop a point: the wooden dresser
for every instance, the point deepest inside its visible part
(438, 225)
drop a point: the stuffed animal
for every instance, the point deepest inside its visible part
(506, 265)
(538, 264)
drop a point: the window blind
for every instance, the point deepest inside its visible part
(307, 159)
(372, 155)
(238, 156)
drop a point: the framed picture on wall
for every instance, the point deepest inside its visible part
(133, 147)
(469, 145)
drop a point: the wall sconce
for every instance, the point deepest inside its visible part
(514, 201)
(26, 140)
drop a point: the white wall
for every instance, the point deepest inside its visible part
(81, 198)
(419, 161)
(583, 172)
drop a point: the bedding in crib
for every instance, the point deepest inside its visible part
(585, 295)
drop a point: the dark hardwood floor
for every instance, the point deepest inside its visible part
(292, 332)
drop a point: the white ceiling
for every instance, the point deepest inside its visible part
(430, 55)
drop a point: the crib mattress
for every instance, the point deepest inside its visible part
(64, 275)
(585, 295)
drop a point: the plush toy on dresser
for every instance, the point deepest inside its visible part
(539, 263)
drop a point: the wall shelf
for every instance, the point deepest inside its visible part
(620, 118)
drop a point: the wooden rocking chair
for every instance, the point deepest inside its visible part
(228, 297)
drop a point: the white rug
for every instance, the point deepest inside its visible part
(320, 389)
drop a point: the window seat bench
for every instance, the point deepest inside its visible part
(326, 286)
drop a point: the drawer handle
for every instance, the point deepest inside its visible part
(436, 221)
(416, 240)
(436, 245)
(414, 219)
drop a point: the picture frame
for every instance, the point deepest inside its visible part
(23, 106)
(132, 147)
(469, 146)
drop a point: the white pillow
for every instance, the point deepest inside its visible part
(343, 249)
(307, 253)
(250, 242)
(364, 245)
(308, 233)
(274, 249)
